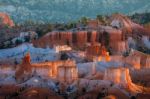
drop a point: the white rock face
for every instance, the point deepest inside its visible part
(131, 42)
(43, 71)
(146, 41)
(62, 48)
(37, 54)
(116, 23)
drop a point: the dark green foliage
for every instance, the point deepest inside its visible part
(141, 18)
(18, 42)
(101, 18)
(27, 39)
(29, 23)
(64, 56)
(42, 29)
(83, 20)
(70, 25)
(125, 54)
(143, 49)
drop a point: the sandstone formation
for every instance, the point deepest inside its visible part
(24, 69)
(65, 71)
(118, 75)
(80, 38)
(6, 20)
(138, 59)
(92, 50)
(62, 48)
(96, 52)
(67, 74)
(122, 76)
(107, 36)
(113, 38)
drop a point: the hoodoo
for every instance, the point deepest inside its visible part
(118, 75)
(122, 76)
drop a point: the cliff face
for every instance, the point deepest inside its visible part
(122, 76)
(80, 38)
(118, 75)
(139, 59)
(6, 20)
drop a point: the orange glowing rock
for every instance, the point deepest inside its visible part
(99, 58)
(93, 49)
(118, 75)
(137, 66)
(24, 69)
(107, 57)
(103, 52)
(62, 70)
(122, 76)
(26, 59)
(6, 19)
(54, 69)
